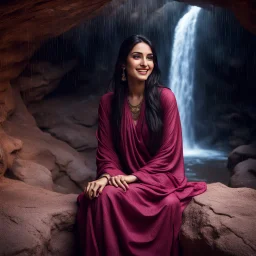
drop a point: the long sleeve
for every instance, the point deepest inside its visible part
(166, 168)
(107, 160)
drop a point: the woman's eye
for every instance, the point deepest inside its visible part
(136, 56)
(150, 57)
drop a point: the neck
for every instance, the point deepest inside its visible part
(136, 88)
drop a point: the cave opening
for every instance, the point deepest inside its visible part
(66, 76)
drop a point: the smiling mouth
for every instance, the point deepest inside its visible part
(142, 72)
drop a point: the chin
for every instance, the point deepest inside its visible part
(141, 78)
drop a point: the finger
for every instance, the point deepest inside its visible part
(101, 189)
(125, 184)
(120, 184)
(95, 190)
(90, 194)
(88, 189)
(114, 182)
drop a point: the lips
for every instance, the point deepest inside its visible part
(142, 71)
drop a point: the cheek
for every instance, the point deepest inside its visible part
(130, 68)
(151, 68)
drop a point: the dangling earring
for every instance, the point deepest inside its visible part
(123, 76)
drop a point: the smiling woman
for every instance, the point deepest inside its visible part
(140, 179)
(140, 63)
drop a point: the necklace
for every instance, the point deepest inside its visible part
(135, 109)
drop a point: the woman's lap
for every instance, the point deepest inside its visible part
(133, 217)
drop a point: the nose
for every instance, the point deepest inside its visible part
(144, 61)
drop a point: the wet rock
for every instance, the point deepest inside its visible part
(244, 174)
(240, 154)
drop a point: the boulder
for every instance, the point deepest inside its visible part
(10, 146)
(244, 174)
(220, 222)
(72, 119)
(45, 152)
(240, 154)
(31, 173)
(35, 221)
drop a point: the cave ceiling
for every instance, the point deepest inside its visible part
(26, 24)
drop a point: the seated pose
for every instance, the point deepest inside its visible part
(135, 205)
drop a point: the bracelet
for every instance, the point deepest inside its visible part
(104, 176)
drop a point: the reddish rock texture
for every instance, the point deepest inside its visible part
(25, 25)
(220, 222)
(21, 139)
(35, 221)
(44, 77)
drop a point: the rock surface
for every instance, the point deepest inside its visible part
(67, 167)
(41, 78)
(35, 221)
(73, 119)
(220, 222)
(244, 10)
(240, 154)
(244, 174)
(25, 25)
(31, 173)
(242, 166)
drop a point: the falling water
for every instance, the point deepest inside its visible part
(181, 79)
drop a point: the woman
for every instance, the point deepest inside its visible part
(134, 207)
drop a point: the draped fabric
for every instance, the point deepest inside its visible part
(145, 219)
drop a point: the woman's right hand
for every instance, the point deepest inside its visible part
(94, 188)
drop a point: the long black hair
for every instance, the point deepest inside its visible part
(153, 111)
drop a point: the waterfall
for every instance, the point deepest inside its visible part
(181, 75)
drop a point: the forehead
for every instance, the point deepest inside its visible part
(142, 47)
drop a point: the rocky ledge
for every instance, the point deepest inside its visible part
(35, 221)
(220, 222)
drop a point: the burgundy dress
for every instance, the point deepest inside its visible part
(145, 219)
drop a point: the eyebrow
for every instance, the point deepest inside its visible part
(141, 53)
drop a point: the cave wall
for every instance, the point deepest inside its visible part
(24, 26)
(27, 24)
(245, 10)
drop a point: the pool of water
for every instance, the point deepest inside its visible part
(206, 165)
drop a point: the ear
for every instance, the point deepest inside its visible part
(123, 66)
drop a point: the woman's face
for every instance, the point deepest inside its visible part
(140, 62)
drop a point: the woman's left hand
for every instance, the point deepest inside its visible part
(122, 181)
